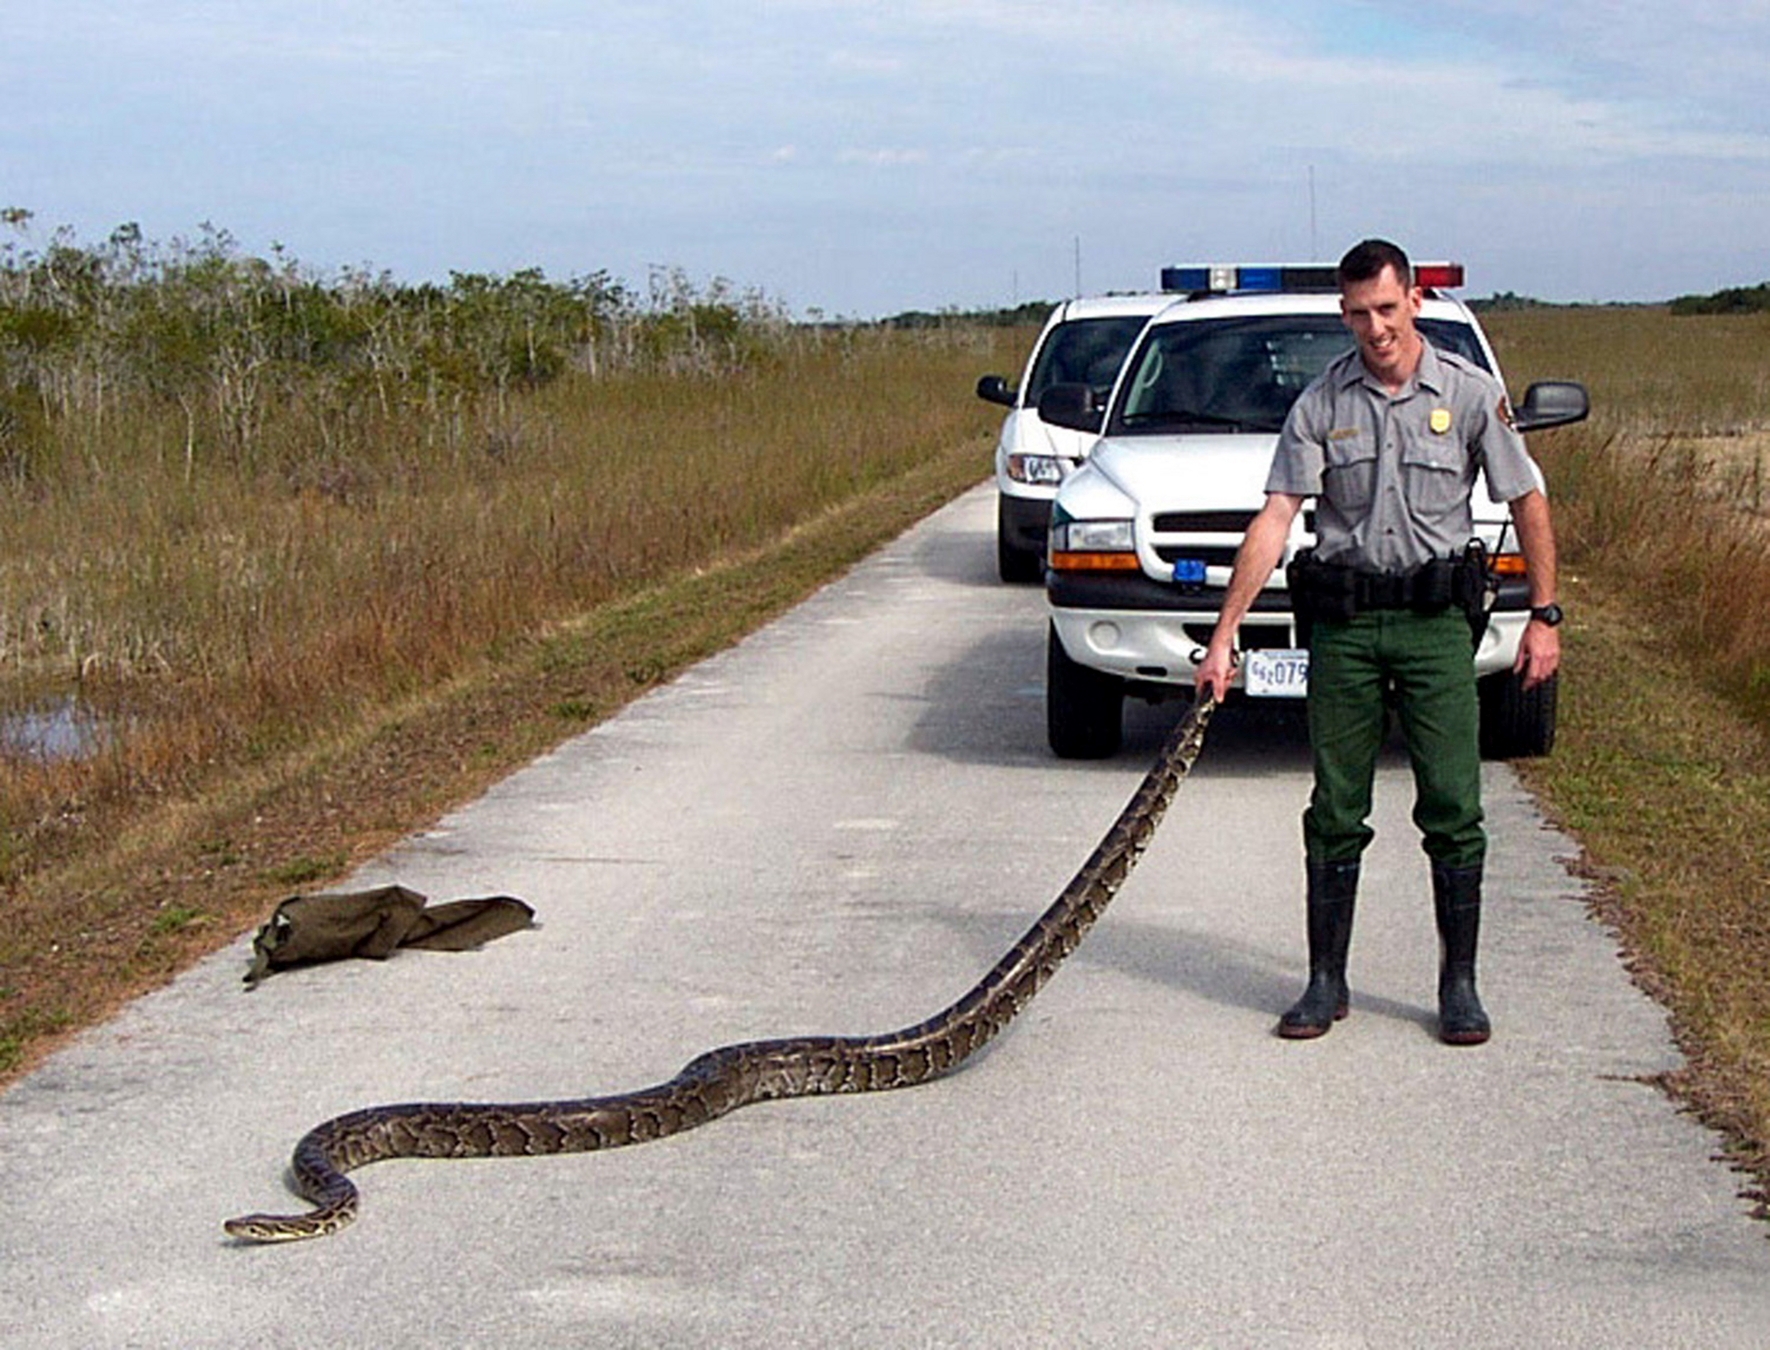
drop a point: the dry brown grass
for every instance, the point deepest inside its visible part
(1662, 492)
(216, 619)
(1662, 766)
(302, 670)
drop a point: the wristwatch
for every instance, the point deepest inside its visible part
(1550, 614)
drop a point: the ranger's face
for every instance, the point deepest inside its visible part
(1381, 313)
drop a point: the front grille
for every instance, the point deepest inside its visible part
(1212, 555)
(1213, 522)
(1202, 522)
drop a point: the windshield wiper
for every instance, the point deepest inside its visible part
(1188, 417)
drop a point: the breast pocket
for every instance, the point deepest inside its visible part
(1349, 473)
(1435, 476)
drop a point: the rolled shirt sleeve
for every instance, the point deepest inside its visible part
(1505, 462)
(1298, 460)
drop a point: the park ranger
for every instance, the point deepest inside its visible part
(1389, 440)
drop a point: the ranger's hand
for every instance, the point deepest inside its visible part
(1216, 670)
(1539, 653)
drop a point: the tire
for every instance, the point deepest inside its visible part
(1015, 565)
(1516, 723)
(1084, 708)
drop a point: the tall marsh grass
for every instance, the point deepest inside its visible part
(1661, 511)
(1664, 490)
(222, 575)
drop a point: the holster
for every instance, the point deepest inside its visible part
(1319, 591)
(1476, 588)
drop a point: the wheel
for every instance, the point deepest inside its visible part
(1084, 708)
(1017, 565)
(1013, 563)
(1516, 723)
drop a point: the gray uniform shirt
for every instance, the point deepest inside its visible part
(1392, 474)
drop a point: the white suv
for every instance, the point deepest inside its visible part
(1083, 342)
(1144, 535)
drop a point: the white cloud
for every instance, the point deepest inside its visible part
(882, 158)
(775, 143)
(865, 63)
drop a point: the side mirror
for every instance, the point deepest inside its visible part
(1072, 406)
(1551, 403)
(994, 389)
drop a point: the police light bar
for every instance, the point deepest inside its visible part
(1230, 278)
(1224, 278)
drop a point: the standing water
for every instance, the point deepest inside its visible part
(66, 728)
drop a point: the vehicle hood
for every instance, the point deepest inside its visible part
(1024, 432)
(1199, 472)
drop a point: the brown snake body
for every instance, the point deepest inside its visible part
(735, 1075)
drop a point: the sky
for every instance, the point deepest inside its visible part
(859, 159)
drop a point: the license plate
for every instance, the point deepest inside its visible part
(1276, 673)
(1189, 572)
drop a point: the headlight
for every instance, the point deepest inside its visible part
(1095, 536)
(1093, 546)
(1042, 469)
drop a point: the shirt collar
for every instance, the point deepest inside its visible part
(1429, 374)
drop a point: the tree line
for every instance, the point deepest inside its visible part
(1733, 300)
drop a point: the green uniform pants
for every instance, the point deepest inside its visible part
(1426, 660)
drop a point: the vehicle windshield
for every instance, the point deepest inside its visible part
(1243, 374)
(1083, 351)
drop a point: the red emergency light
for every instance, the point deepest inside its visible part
(1438, 276)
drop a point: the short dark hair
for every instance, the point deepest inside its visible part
(1366, 260)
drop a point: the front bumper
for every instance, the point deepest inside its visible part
(1153, 635)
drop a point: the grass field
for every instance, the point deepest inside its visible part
(1662, 767)
(297, 653)
(225, 615)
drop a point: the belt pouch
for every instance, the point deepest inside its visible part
(1321, 590)
(1434, 586)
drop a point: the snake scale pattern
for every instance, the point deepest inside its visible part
(735, 1075)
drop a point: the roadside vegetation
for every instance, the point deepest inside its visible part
(298, 561)
(1662, 766)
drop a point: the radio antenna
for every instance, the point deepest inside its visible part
(1314, 254)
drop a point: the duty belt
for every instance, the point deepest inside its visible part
(1322, 590)
(1425, 587)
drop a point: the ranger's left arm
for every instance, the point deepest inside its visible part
(1539, 653)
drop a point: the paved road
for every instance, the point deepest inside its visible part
(838, 826)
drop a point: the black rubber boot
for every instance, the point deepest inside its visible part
(1456, 898)
(1333, 891)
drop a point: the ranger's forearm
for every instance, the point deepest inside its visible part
(1536, 540)
(1260, 550)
